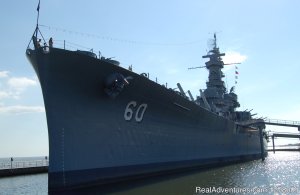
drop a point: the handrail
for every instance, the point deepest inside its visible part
(286, 122)
(63, 44)
(23, 164)
(66, 45)
(279, 132)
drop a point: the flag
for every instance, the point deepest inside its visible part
(38, 7)
(236, 74)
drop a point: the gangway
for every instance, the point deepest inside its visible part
(278, 122)
(286, 123)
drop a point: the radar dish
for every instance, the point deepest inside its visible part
(211, 44)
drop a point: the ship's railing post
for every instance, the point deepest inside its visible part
(46, 160)
(11, 161)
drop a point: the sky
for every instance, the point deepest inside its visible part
(162, 38)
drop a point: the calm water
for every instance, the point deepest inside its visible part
(278, 174)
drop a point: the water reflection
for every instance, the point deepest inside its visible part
(278, 174)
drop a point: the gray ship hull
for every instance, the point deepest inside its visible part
(146, 129)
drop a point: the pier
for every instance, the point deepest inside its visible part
(14, 168)
(276, 122)
(284, 123)
(285, 135)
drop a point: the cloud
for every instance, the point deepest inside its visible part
(19, 109)
(3, 95)
(233, 57)
(21, 83)
(4, 74)
(13, 87)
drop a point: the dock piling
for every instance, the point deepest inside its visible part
(261, 144)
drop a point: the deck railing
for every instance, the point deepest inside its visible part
(23, 164)
(286, 122)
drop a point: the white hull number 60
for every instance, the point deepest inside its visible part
(138, 114)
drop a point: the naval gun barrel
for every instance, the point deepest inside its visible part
(180, 89)
(191, 96)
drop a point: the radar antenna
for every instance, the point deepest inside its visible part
(212, 43)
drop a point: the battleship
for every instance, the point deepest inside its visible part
(107, 123)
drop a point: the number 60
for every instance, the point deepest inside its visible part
(139, 112)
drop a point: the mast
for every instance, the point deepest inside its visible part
(37, 30)
(216, 94)
(215, 97)
(214, 66)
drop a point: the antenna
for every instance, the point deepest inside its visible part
(232, 63)
(38, 10)
(37, 19)
(196, 67)
(37, 30)
(205, 66)
(215, 40)
(212, 43)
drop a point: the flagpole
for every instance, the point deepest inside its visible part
(37, 19)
